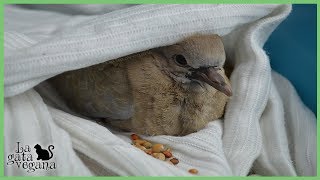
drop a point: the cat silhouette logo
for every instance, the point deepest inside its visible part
(44, 154)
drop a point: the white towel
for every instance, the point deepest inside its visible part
(266, 127)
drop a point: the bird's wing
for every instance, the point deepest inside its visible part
(99, 91)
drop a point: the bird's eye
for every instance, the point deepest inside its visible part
(180, 60)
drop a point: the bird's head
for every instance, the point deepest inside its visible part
(197, 60)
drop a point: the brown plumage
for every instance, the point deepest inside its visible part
(172, 90)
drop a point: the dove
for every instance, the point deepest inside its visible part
(171, 90)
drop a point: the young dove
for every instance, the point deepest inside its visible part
(171, 90)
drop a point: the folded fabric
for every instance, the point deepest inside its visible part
(266, 128)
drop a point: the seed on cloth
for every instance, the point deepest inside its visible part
(141, 147)
(158, 151)
(193, 171)
(134, 137)
(147, 144)
(139, 142)
(174, 161)
(167, 153)
(159, 156)
(157, 148)
(148, 151)
(168, 161)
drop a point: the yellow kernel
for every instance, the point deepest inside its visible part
(147, 144)
(157, 148)
(138, 141)
(159, 156)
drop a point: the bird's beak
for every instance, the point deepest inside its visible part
(211, 76)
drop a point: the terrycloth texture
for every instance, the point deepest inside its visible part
(266, 127)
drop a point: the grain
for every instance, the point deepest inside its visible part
(193, 171)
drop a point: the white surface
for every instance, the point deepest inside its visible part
(266, 126)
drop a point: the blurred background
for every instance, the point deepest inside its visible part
(292, 49)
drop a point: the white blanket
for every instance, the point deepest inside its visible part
(266, 128)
